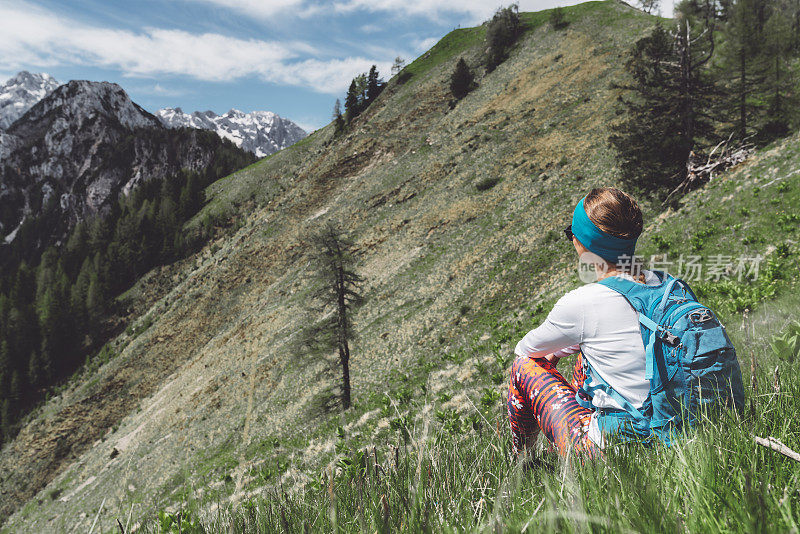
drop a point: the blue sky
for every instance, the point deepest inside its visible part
(293, 57)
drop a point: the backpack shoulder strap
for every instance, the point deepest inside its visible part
(638, 295)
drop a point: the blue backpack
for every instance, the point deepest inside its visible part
(689, 359)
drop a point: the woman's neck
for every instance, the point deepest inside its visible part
(613, 270)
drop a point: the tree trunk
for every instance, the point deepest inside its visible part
(687, 90)
(344, 349)
(777, 104)
(743, 93)
(344, 358)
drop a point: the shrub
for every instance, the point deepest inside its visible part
(501, 33)
(462, 80)
(787, 345)
(557, 19)
(487, 183)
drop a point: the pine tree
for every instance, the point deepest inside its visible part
(351, 103)
(95, 305)
(462, 80)
(79, 290)
(338, 120)
(191, 198)
(76, 249)
(335, 298)
(780, 78)
(5, 364)
(40, 370)
(667, 109)
(374, 85)
(361, 92)
(742, 62)
(6, 420)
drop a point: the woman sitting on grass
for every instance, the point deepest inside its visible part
(631, 390)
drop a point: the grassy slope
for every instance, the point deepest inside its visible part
(223, 404)
(454, 472)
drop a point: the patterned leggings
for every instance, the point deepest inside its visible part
(540, 397)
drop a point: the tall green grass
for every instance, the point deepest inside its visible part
(715, 479)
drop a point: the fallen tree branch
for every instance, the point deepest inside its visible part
(776, 445)
(701, 169)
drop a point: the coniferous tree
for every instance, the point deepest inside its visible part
(79, 290)
(374, 85)
(351, 103)
(338, 120)
(5, 365)
(40, 370)
(336, 296)
(780, 78)
(76, 249)
(95, 305)
(361, 92)
(462, 81)
(742, 62)
(15, 394)
(6, 420)
(667, 109)
(501, 33)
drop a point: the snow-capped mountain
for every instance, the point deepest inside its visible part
(20, 93)
(259, 132)
(85, 143)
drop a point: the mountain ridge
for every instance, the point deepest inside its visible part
(20, 92)
(82, 144)
(260, 132)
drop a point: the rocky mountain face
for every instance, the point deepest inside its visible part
(20, 93)
(80, 146)
(260, 132)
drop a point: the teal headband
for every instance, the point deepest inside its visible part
(608, 247)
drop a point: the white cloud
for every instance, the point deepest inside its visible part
(158, 89)
(427, 8)
(426, 44)
(259, 8)
(471, 11)
(309, 124)
(34, 37)
(371, 28)
(269, 9)
(474, 11)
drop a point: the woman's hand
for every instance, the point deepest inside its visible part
(552, 358)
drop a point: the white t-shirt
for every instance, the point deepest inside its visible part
(606, 328)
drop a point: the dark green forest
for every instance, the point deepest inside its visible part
(57, 294)
(722, 73)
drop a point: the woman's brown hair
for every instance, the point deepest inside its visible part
(614, 212)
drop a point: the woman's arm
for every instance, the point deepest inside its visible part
(559, 335)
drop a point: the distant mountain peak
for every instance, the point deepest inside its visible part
(20, 92)
(84, 99)
(259, 132)
(85, 142)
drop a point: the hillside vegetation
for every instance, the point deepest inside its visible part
(208, 407)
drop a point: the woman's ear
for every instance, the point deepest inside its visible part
(579, 248)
